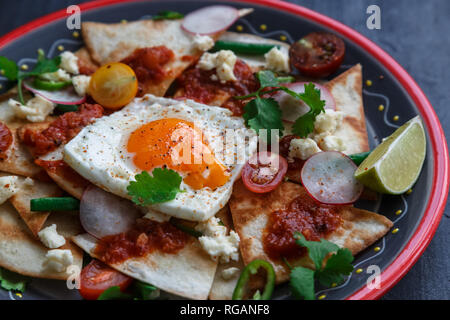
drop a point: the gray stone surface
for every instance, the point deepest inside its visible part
(415, 33)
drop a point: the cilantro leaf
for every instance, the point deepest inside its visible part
(9, 68)
(114, 293)
(302, 283)
(317, 250)
(263, 114)
(162, 187)
(337, 265)
(145, 291)
(42, 66)
(167, 14)
(12, 281)
(267, 78)
(304, 125)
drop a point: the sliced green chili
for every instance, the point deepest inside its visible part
(54, 204)
(251, 269)
(359, 157)
(243, 47)
(67, 107)
(287, 79)
(50, 85)
(185, 228)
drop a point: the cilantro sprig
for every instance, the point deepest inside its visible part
(138, 291)
(161, 187)
(327, 273)
(12, 281)
(11, 70)
(265, 113)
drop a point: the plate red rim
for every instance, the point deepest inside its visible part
(433, 213)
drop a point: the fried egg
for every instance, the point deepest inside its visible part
(206, 145)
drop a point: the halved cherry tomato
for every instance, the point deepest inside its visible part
(318, 54)
(264, 172)
(113, 85)
(96, 277)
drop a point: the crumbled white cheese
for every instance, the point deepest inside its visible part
(36, 110)
(203, 43)
(58, 260)
(302, 149)
(8, 187)
(58, 75)
(331, 143)
(69, 62)
(215, 241)
(51, 238)
(223, 61)
(81, 84)
(156, 216)
(328, 121)
(28, 182)
(230, 273)
(277, 61)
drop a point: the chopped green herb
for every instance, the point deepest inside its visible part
(43, 65)
(169, 15)
(304, 125)
(138, 291)
(336, 266)
(12, 281)
(264, 113)
(161, 187)
(145, 291)
(9, 68)
(114, 293)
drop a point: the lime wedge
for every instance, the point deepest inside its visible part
(394, 166)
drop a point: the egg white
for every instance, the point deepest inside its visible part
(99, 151)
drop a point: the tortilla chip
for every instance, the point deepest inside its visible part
(85, 62)
(347, 93)
(114, 42)
(250, 212)
(19, 160)
(188, 273)
(33, 189)
(346, 90)
(21, 252)
(64, 176)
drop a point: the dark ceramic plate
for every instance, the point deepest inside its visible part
(421, 210)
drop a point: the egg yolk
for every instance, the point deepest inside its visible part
(178, 145)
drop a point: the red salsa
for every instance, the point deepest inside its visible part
(199, 86)
(62, 169)
(62, 130)
(146, 237)
(148, 64)
(314, 220)
(6, 139)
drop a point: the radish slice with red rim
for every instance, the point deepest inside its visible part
(292, 108)
(210, 20)
(103, 213)
(63, 96)
(328, 178)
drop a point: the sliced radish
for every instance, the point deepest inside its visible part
(293, 108)
(328, 178)
(103, 213)
(63, 96)
(210, 20)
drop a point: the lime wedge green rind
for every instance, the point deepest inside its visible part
(394, 166)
